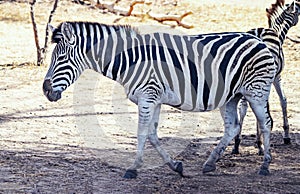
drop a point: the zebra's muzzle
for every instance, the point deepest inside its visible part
(49, 92)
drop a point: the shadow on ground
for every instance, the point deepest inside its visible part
(58, 168)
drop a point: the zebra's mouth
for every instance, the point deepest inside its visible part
(52, 95)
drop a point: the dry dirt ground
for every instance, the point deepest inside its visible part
(84, 142)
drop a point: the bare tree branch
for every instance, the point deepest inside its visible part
(41, 52)
(47, 29)
(158, 17)
(132, 4)
(35, 32)
(177, 18)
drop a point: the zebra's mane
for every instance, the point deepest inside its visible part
(127, 27)
(274, 9)
(57, 34)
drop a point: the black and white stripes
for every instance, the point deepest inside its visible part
(131, 59)
(190, 72)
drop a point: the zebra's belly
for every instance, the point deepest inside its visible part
(196, 104)
(191, 108)
(186, 101)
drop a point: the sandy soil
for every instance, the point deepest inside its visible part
(84, 142)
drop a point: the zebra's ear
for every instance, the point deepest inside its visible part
(290, 8)
(297, 6)
(56, 34)
(50, 27)
(67, 32)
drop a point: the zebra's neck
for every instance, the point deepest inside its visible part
(282, 30)
(281, 22)
(110, 52)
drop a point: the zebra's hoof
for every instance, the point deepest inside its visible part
(177, 167)
(208, 168)
(130, 174)
(235, 151)
(287, 140)
(260, 152)
(264, 171)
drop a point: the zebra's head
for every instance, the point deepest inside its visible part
(65, 67)
(280, 12)
(293, 10)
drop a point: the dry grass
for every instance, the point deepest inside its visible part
(14, 12)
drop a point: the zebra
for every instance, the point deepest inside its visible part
(189, 72)
(280, 18)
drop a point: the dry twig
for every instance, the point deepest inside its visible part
(132, 4)
(177, 18)
(158, 17)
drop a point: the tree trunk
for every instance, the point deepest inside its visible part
(41, 52)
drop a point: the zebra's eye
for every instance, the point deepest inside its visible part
(70, 43)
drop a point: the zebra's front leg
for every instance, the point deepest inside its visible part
(283, 103)
(232, 128)
(153, 138)
(146, 112)
(131, 172)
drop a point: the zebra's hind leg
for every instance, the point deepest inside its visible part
(259, 141)
(232, 128)
(283, 103)
(243, 106)
(261, 111)
(153, 138)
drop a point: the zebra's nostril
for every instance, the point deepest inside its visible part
(47, 85)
